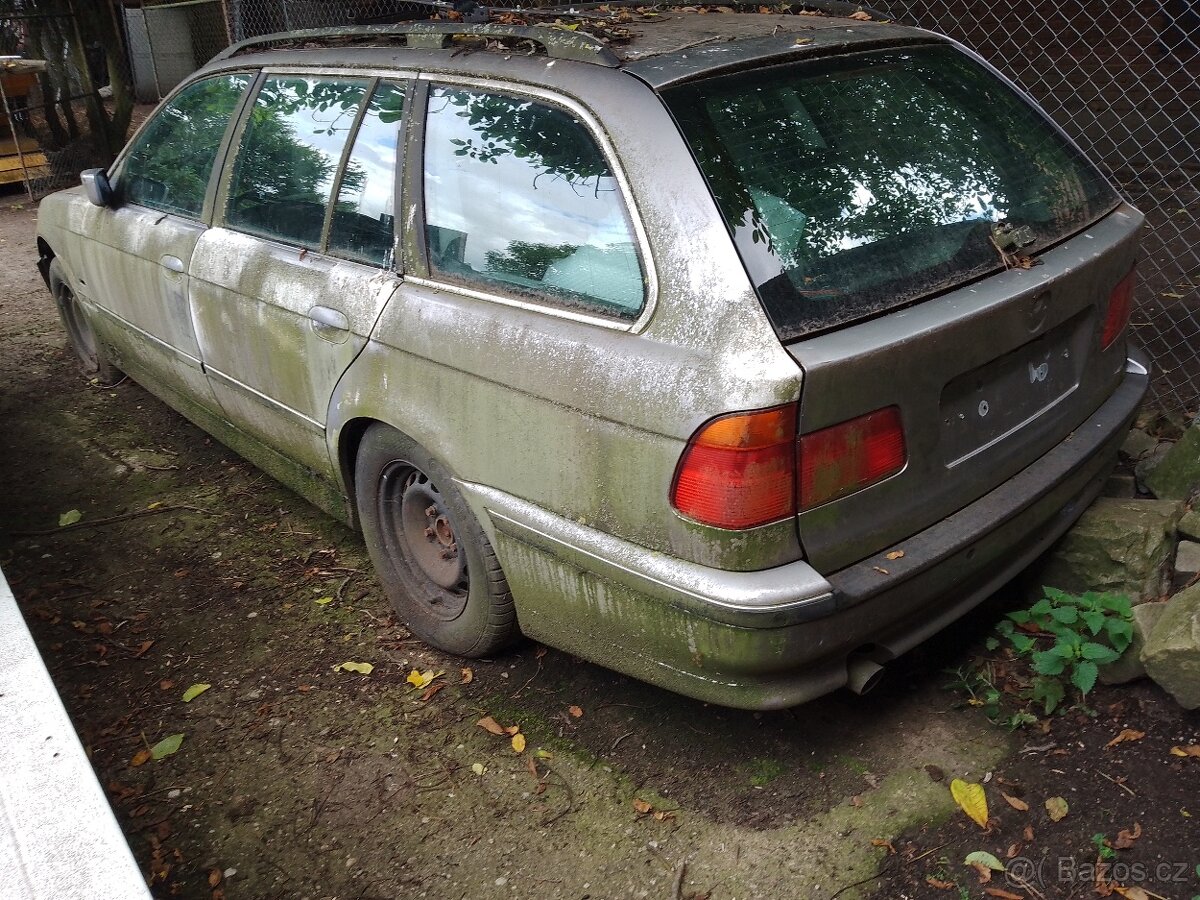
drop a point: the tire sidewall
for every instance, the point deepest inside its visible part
(92, 362)
(469, 631)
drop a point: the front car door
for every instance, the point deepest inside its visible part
(137, 259)
(287, 285)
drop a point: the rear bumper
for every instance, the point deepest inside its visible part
(779, 637)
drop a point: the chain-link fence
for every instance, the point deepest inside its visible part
(1121, 78)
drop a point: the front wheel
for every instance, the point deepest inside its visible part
(92, 359)
(432, 557)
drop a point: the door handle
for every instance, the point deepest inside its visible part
(329, 324)
(173, 263)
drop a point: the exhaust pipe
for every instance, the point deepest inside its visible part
(862, 672)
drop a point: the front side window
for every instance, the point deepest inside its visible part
(169, 166)
(860, 183)
(288, 156)
(519, 196)
(365, 213)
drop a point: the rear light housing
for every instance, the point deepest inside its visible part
(739, 471)
(1120, 306)
(849, 456)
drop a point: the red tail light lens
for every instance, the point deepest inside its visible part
(739, 471)
(1120, 305)
(848, 457)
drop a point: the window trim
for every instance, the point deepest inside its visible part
(423, 274)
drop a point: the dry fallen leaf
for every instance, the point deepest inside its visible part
(431, 690)
(642, 806)
(575, 711)
(1028, 834)
(361, 668)
(896, 554)
(490, 725)
(1003, 894)
(971, 799)
(1126, 837)
(478, 768)
(214, 877)
(140, 758)
(1127, 734)
(1189, 750)
(940, 885)
(984, 873)
(1015, 802)
(1057, 808)
(518, 742)
(419, 679)
(662, 815)
(1012, 851)
(194, 691)
(861, 16)
(880, 842)
(1131, 893)
(467, 676)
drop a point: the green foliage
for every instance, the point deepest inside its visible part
(1102, 846)
(1066, 638)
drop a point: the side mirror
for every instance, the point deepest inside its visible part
(97, 187)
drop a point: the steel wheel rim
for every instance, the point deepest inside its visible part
(419, 535)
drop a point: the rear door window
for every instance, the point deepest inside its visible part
(519, 196)
(289, 154)
(860, 183)
(169, 165)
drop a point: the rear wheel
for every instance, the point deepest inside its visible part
(432, 557)
(82, 338)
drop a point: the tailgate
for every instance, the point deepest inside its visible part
(987, 378)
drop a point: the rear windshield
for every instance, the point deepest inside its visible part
(861, 183)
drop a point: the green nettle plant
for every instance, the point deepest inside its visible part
(1066, 638)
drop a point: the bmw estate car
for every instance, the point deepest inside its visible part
(739, 352)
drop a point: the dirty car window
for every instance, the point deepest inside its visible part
(865, 182)
(169, 166)
(518, 194)
(289, 154)
(364, 215)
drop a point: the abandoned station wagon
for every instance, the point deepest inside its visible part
(737, 352)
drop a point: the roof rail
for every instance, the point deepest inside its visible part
(558, 43)
(839, 8)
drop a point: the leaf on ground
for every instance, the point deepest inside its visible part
(214, 877)
(140, 758)
(1127, 734)
(642, 807)
(467, 676)
(491, 726)
(512, 729)
(1003, 894)
(70, 517)
(861, 16)
(360, 667)
(1189, 750)
(1131, 893)
(478, 768)
(323, 601)
(1126, 836)
(167, 746)
(575, 712)
(971, 799)
(142, 648)
(939, 884)
(984, 873)
(518, 743)
(896, 554)
(983, 858)
(1015, 802)
(194, 691)
(1028, 834)
(431, 690)
(543, 754)
(419, 679)
(887, 845)
(1057, 808)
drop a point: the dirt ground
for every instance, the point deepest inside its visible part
(294, 780)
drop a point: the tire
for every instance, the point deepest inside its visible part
(93, 361)
(430, 553)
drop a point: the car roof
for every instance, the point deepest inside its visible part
(662, 45)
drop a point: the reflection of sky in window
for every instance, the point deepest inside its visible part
(323, 131)
(511, 199)
(374, 156)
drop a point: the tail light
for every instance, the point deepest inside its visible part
(849, 456)
(1120, 305)
(739, 470)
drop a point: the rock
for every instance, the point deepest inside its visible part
(1172, 650)
(1177, 476)
(1117, 546)
(1147, 465)
(1189, 525)
(1138, 445)
(1120, 484)
(1130, 666)
(1187, 564)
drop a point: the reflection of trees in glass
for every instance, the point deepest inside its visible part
(169, 167)
(527, 260)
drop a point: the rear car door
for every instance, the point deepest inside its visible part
(288, 283)
(140, 252)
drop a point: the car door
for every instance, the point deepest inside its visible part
(287, 285)
(136, 267)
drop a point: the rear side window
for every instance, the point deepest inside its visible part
(169, 166)
(519, 196)
(365, 213)
(288, 156)
(864, 182)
